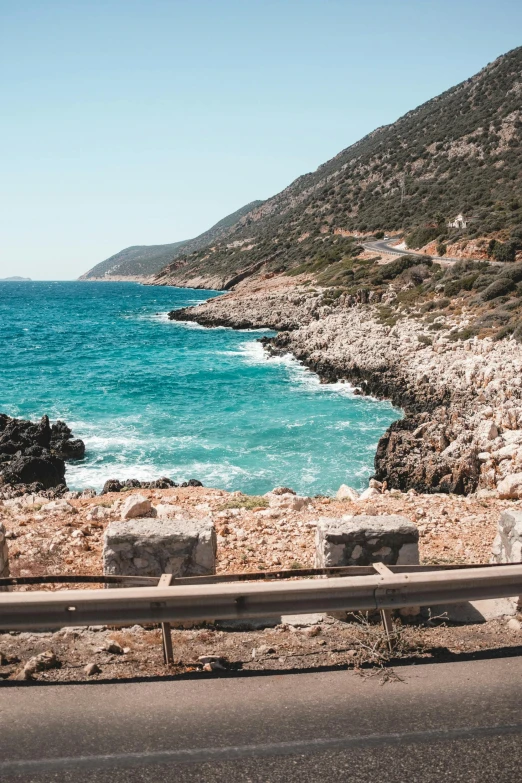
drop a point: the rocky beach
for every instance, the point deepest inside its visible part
(462, 429)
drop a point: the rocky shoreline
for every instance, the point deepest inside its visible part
(33, 455)
(462, 399)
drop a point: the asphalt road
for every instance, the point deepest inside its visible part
(443, 722)
(384, 246)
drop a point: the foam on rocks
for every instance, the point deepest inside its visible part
(151, 547)
(364, 539)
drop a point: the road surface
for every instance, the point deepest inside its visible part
(458, 721)
(384, 246)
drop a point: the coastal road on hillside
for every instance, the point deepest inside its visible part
(384, 246)
(458, 721)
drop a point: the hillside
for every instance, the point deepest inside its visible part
(458, 153)
(147, 260)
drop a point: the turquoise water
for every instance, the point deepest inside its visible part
(152, 397)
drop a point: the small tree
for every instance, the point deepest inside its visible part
(504, 251)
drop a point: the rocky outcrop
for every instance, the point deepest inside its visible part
(32, 455)
(63, 445)
(462, 399)
(115, 485)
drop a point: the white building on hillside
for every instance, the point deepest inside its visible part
(459, 222)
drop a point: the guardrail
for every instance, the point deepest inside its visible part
(387, 589)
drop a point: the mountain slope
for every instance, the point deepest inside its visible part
(139, 260)
(459, 152)
(147, 260)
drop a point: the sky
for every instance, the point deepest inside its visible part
(130, 122)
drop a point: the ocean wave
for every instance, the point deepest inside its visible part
(149, 402)
(254, 353)
(194, 325)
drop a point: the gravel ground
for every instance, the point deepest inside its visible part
(251, 536)
(358, 643)
(453, 529)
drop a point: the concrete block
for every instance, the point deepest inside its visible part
(365, 539)
(151, 547)
(302, 620)
(475, 611)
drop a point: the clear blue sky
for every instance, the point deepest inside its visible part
(145, 121)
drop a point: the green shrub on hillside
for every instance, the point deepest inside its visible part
(421, 236)
(498, 288)
(513, 273)
(395, 268)
(502, 251)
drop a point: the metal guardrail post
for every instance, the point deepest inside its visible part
(168, 652)
(386, 615)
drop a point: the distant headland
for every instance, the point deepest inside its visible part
(15, 279)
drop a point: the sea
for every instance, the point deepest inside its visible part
(152, 397)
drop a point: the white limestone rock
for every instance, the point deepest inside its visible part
(347, 493)
(58, 507)
(507, 547)
(287, 501)
(369, 493)
(135, 506)
(511, 486)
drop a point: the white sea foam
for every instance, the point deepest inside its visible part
(194, 325)
(254, 353)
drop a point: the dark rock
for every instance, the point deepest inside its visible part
(192, 483)
(69, 449)
(36, 451)
(62, 443)
(112, 485)
(163, 483)
(48, 471)
(29, 458)
(410, 456)
(115, 485)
